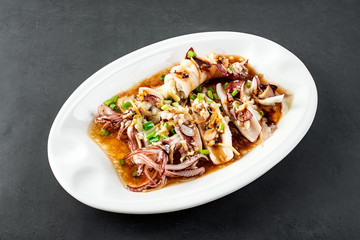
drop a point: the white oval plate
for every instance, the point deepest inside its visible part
(86, 173)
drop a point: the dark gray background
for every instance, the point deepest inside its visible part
(48, 48)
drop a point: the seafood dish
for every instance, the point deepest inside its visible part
(188, 120)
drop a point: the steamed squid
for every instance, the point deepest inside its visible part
(241, 113)
(239, 98)
(184, 78)
(214, 129)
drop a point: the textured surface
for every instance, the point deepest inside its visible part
(48, 48)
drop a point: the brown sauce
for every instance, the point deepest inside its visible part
(117, 150)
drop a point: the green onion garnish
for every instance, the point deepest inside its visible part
(200, 96)
(261, 113)
(175, 104)
(198, 89)
(231, 69)
(135, 173)
(221, 126)
(216, 97)
(114, 98)
(103, 132)
(113, 106)
(165, 107)
(193, 96)
(162, 77)
(108, 102)
(210, 94)
(204, 151)
(148, 125)
(122, 162)
(169, 98)
(126, 105)
(172, 132)
(154, 139)
(225, 85)
(209, 102)
(191, 54)
(151, 135)
(211, 89)
(248, 84)
(111, 100)
(234, 93)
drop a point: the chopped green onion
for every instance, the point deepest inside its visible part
(175, 104)
(162, 77)
(114, 98)
(126, 105)
(234, 93)
(261, 113)
(111, 100)
(231, 69)
(135, 173)
(211, 89)
(103, 132)
(221, 126)
(148, 125)
(191, 54)
(154, 139)
(172, 132)
(151, 135)
(225, 85)
(248, 84)
(113, 106)
(200, 96)
(108, 102)
(209, 102)
(193, 96)
(122, 162)
(165, 107)
(198, 89)
(216, 97)
(169, 98)
(210, 94)
(163, 136)
(204, 151)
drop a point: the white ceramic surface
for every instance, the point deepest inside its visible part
(86, 173)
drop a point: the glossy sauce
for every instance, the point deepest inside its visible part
(117, 150)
